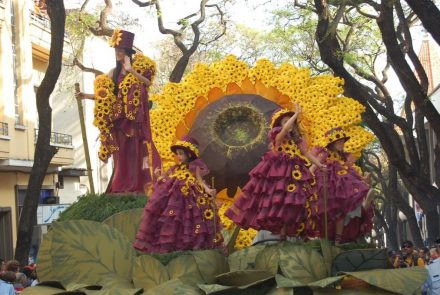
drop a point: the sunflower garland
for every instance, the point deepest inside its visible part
(245, 237)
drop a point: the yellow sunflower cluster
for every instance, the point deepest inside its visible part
(245, 237)
(103, 112)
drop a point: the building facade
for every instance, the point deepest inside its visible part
(24, 55)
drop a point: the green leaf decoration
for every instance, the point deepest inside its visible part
(210, 263)
(127, 222)
(53, 284)
(166, 288)
(75, 286)
(363, 291)
(45, 271)
(283, 282)
(399, 280)
(148, 272)
(245, 258)
(301, 263)
(86, 252)
(360, 260)
(280, 291)
(244, 278)
(329, 252)
(214, 288)
(41, 290)
(184, 267)
(116, 291)
(242, 282)
(116, 282)
(268, 259)
(187, 290)
(326, 282)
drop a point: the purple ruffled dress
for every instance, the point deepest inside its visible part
(345, 192)
(279, 193)
(179, 216)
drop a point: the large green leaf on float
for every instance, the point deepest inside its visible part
(284, 282)
(166, 288)
(184, 289)
(86, 252)
(113, 281)
(241, 282)
(44, 259)
(127, 222)
(210, 263)
(148, 272)
(184, 267)
(302, 263)
(399, 280)
(245, 258)
(360, 260)
(329, 252)
(268, 258)
(116, 291)
(41, 290)
(363, 291)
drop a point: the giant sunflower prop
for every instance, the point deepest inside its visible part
(227, 106)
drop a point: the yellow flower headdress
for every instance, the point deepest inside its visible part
(116, 38)
(335, 134)
(187, 143)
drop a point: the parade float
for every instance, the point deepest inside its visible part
(227, 106)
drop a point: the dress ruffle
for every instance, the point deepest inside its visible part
(273, 198)
(173, 221)
(345, 190)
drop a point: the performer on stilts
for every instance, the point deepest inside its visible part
(348, 193)
(180, 215)
(279, 196)
(122, 116)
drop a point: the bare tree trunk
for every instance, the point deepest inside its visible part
(44, 152)
(179, 69)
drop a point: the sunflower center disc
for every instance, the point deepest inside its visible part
(238, 126)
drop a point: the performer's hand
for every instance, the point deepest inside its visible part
(80, 95)
(126, 64)
(145, 163)
(211, 191)
(367, 178)
(297, 109)
(322, 166)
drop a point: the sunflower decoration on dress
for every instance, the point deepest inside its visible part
(321, 97)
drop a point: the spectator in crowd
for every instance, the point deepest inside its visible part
(432, 284)
(410, 257)
(424, 254)
(6, 279)
(31, 274)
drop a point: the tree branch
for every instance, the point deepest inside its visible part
(83, 68)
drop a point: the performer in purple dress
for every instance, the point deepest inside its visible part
(349, 212)
(279, 196)
(122, 116)
(181, 214)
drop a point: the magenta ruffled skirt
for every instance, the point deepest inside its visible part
(175, 222)
(345, 192)
(278, 195)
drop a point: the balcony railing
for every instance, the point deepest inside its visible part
(58, 138)
(4, 128)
